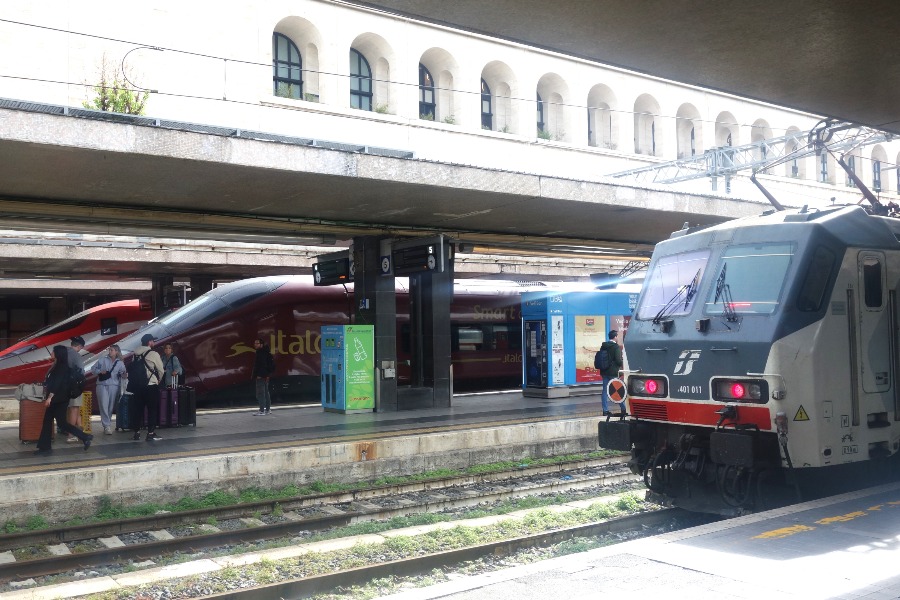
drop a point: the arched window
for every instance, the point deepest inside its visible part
(487, 112)
(693, 141)
(823, 167)
(426, 94)
(287, 68)
(360, 81)
(653, 138)
(540, 115)
(876, 175)
(851, 167)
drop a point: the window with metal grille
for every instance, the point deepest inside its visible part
(287, 68)
(360, 81)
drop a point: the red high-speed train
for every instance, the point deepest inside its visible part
(213, 336)
(28, 360)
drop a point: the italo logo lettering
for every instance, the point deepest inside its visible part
(282, 343)
(686, 361)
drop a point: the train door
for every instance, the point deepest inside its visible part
(536, 353)
(874, 334)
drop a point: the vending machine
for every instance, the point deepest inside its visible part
(348, 368)
(563, 331)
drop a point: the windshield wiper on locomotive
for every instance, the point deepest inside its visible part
(723, 290)
(688, 291)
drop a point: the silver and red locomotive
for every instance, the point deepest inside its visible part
(762, 360)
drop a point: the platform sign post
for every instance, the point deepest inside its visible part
(348, 368)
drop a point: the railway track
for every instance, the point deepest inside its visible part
(670, 518)
(63, 549)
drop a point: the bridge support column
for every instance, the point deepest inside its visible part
(159, 285)
(200, 284)
(376, 304)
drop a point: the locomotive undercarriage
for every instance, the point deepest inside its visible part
(719, 471)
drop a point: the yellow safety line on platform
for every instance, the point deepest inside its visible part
(282, 444)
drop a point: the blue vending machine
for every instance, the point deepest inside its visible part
(348, 368)
(563, 331)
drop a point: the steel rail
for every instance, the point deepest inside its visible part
(58, 564)
(308, 586)
(73, 533)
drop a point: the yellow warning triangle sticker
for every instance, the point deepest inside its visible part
(801, 414)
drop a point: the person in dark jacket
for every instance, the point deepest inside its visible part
(263, 367)
(615, 363)
(56, 400)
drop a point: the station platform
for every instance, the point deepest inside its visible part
(839, 548)
(231, 450)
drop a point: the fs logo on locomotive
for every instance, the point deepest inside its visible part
(686, 361)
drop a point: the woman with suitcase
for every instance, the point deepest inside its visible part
(109, 370)
(56, 388)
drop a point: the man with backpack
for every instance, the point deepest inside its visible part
(608, 361)
(263, 367)
(144, 376)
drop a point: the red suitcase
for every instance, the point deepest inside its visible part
(31, 418)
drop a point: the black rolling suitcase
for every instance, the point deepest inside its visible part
(125, 413)
(187, 406)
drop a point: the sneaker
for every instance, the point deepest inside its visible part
(136, 436)
(71, 439)
(87, 441)
(107, 430)
(152, 437)
(268, 412)
(259, 413)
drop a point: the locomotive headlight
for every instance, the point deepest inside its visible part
(648, 386)
(743, 390)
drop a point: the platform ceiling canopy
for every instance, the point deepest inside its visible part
(832, 58)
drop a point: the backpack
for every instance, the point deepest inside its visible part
(137, 374)
(76, 382)
(602, 360)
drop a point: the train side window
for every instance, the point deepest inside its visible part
(108, 326)
(471, 338)
(812, 294)
(872, 282)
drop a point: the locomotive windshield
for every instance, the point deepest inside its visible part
(749, 279)
(667, 286)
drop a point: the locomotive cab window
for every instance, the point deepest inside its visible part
(815, 284)
(672, 283)
(749, 279)
(873, 288)
(108, 326)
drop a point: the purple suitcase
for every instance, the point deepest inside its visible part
(168, 407)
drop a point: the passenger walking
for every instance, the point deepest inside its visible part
(609, 366)
(109, 370)
(263, 367)
(75, 360)
(146, 392)
(172, 367)
(56, 399)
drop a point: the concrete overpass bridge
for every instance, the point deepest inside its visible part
(284, 202)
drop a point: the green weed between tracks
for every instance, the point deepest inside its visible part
(107, 511)
(395, 548)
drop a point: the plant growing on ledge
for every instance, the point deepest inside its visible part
(544, 134)
(449, 120)
(116, 95)
(381, 109)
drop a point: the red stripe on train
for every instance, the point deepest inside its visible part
(695, 413)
